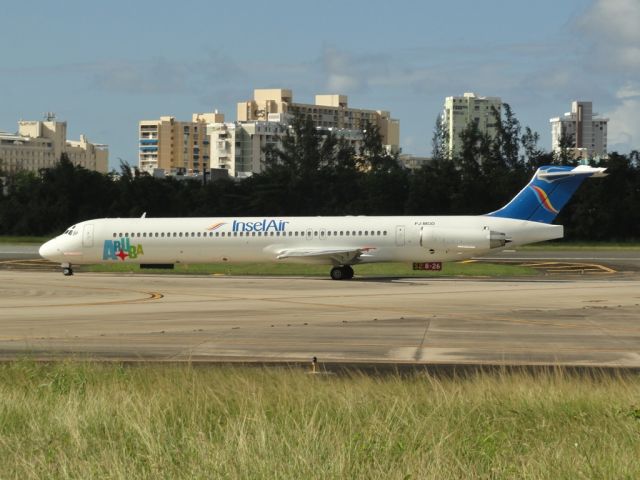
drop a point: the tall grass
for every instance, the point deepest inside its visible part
(77, 420)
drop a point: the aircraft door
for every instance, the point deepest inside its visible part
(400, 235)
(87, 236)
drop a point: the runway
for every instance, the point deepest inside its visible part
(591, 321)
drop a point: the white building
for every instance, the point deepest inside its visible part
(239, 147)
(39, 144)
(459, 112)
(586, 131)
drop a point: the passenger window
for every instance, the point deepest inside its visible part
(347, 233)
(198, 233)
(223, 234)
(180, 234)
(217, 234)
(162, 234)
(193, 234)
(114, 235)
(384, 233)
(156, 234)
(366, 232)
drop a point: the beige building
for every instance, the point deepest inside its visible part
(328, 111)
(208, 142)
(176, 146)
(40, 144)
(586, 130)
(459, 112)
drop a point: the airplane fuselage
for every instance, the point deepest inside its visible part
(291, 239)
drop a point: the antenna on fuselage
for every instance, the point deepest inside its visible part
(144, 215)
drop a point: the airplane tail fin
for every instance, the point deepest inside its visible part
(547, 193)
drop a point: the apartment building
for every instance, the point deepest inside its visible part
(176, 146)
(40, 144)
(459, 112)
(238, 147)
(584, 129)
(208, 142)
(328, 112)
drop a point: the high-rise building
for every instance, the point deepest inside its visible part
(459, 112)
(208, 142)
(583, 131)
(238, 147)
(40, 144)
(328, 112)
(176, 146)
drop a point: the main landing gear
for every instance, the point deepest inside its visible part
(67, 271)
(343, 272)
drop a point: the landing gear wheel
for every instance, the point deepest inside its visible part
(348, 272)
(67, 271)
(344, 272)
(337, 273)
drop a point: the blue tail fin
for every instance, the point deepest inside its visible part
(548, 191)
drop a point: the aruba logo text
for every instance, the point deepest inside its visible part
(122, 249)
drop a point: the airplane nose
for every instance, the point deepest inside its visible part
(49, 251)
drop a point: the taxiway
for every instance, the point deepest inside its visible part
(542, 321)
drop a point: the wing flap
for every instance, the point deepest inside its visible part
(338, 256)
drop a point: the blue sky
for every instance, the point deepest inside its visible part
(104, 66)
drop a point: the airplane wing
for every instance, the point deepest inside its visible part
(337, 256)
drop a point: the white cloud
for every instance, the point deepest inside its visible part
(628, 90)
(612, 28)
(624, 128)
(350, 73)
(157, 77)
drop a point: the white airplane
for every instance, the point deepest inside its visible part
(337, 241)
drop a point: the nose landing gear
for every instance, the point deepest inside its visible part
(67, 271)
(343, 272)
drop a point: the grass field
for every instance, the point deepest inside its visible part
(476, 269)
(83, 420)
(24, 240)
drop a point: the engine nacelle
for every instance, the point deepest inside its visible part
(461, 238)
